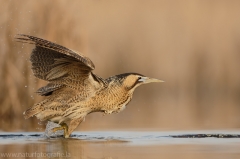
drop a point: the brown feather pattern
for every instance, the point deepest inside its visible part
(74, 90)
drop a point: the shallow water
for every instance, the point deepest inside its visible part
(121, 144)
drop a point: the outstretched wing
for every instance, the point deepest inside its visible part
(61, 66)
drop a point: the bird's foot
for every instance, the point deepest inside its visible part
(57, 129)
(108, 112)
(62, 127)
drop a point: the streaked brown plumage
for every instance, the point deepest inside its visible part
(74, 90)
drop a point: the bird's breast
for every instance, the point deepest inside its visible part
(118, 105)
(113, 99)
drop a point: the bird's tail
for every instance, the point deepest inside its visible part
(43, 110)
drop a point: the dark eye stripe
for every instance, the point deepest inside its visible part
(136, 82)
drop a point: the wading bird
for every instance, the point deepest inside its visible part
(74, 91)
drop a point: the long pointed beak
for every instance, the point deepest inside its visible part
(150, 80)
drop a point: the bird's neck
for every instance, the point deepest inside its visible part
(114, 99)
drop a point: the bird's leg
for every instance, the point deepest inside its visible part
(62, 127)
(72, 125)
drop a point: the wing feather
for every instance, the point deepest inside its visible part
(60, 50)
(47, 57)
(61, 66)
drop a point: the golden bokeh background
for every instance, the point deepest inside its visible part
(193, 45)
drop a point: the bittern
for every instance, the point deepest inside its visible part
(73, 90)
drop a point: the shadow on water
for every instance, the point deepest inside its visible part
(116, 144)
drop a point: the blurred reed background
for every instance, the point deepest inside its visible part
(192, 45)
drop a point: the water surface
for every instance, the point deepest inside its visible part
(121, 144)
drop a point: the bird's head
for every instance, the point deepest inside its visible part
(131, 81)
